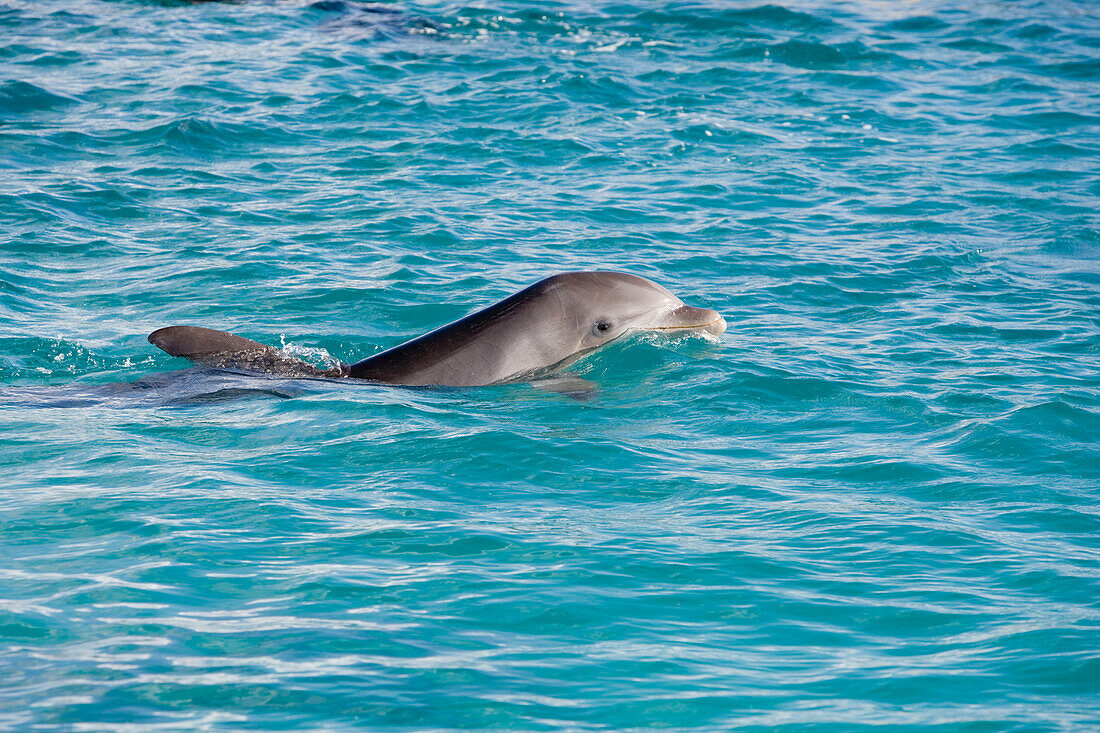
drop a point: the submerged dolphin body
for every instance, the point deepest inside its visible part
(534, 333)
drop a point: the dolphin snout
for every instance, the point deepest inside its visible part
(717, 327)
(688, 317)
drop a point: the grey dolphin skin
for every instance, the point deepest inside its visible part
(534, 333)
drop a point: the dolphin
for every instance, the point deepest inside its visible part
(528, 336)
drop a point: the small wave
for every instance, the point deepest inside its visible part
(314, 355)
(197, 134)
(816, 55)
(35, 357)
(20, 97)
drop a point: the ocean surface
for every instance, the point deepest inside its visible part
(874, 503)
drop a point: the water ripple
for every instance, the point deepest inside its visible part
(872, 502)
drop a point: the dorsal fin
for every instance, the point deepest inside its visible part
(193, 342)
(225, 351)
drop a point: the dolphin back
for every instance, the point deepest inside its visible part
(223, 350)
(469, 352)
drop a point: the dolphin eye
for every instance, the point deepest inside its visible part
(603, 326)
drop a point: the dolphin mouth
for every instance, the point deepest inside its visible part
(690, 318)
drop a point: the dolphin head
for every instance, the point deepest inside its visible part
(600, 307)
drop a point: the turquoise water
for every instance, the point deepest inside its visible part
(873, 503)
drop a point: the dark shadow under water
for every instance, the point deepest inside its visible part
(206, 386)
(195, 386)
